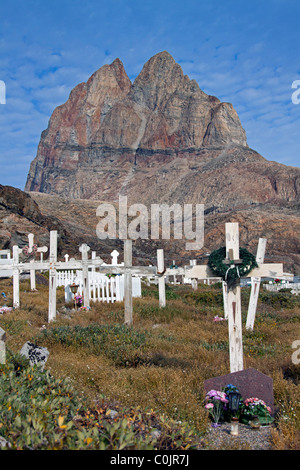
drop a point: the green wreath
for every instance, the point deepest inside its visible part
(231, 272)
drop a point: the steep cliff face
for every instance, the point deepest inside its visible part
(160, 139)
(161, 132)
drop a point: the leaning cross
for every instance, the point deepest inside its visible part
(255, 285)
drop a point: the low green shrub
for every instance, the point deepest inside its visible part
(163, 314)
(152, 292)
(41, 412)
(207, 297)
(32, 404)
(123, 345)
(280, 299)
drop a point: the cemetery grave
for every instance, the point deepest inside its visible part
(158, 350)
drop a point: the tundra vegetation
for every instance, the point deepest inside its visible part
(107, 386)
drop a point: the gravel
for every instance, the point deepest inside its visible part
(219, 438)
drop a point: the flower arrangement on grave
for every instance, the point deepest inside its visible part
(28, 254)
(215, 403)
(217, 318)
(5, 309)
(78, 299)
(109, 275)
(255, 408)
(231, 272)
(85, 309)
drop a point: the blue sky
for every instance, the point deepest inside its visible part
(244, 52)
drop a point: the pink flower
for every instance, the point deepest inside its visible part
(209, 405)
(217, 318)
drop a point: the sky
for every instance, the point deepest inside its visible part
(243, 52)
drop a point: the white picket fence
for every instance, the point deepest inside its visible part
(295, 286)
(5, 259)
(63, 278)
(101, 287)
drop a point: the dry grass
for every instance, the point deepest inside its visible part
(183, 347)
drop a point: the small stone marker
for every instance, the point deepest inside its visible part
(249, 382)
(35, 354)
(2, 346)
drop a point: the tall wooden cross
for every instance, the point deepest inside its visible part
(233, 295)
(234, 302)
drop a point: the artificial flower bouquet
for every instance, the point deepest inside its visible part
(256, 408)
(78, 299)
(216, 402)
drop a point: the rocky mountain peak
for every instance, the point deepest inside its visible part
(158, 139)
(160, 77)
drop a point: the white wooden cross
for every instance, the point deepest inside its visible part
(41, 250)
(128, 282)
(16, 276)
(255, 285)
(2, 346)
(52, 264)
(232, 300)
(114, 257)
(84, 249)
(235, 331)
(161, 280)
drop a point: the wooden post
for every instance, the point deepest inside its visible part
(234, 302)
(32, 278)
(225, 298)
(84, 249)
(52, 276)
(161, 279)
(128, 283)
(194, 282)
(16, 277)
(255, 285)
(32, 271)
